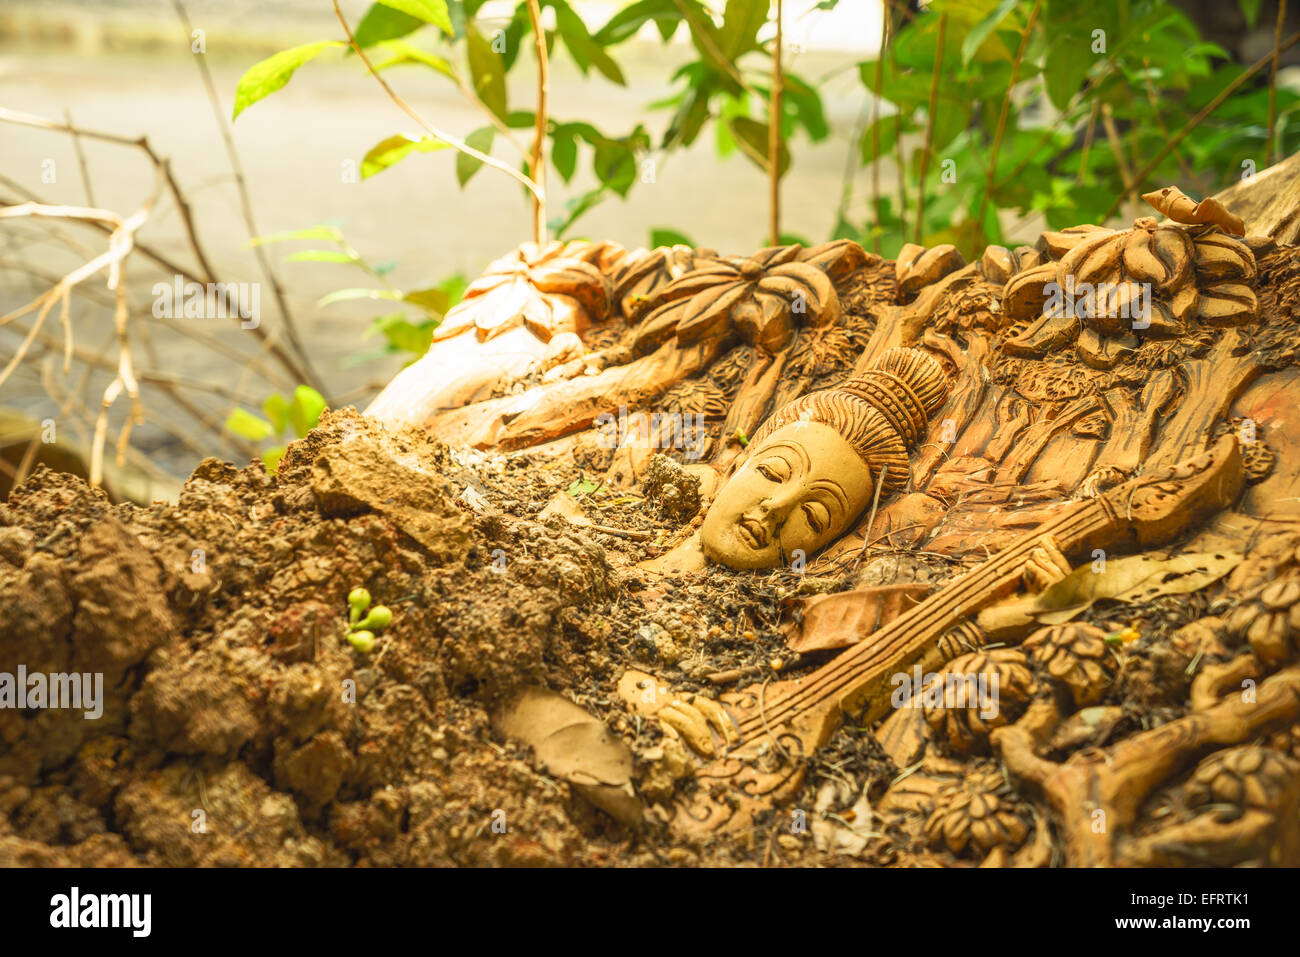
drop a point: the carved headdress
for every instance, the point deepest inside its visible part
(882, 413)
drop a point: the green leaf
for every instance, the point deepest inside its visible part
(584, 50)
(1250, 8)
(382, 23)
(753, 136)
(320, 256)
(625, 24)
(740, 24)
(430, 11)
(487, 72)
(263, 79)
(980, 32)
(276, 408)
(706, 39)
(466, 165)
(433, 299)
(402, 335)
(574, 208)
(327, 233)
(807, 106)
(564, 153)
(396, 148)
(878, 139)
(615, 167)
(669, 237)
(582, 486)
(271, 458)
(248, 426)
(1065, 70)
(404, 53)
(343, 295)
(305, 409)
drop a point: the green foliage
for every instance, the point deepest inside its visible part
(1141, 62)
(396, 148)
(429, 11)
(295, 416)
(1098, 88)
(274, 72)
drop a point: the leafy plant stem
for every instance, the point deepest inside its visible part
(455, 143)
(774, 138)
(537, 165)
(1164, 130)
(890, 10)
(929, 127)
(706, 40)
(1088, 134)
(246, 208)
(1117, 149)
(1199, 118)
(1003, 113)
(1272, 83)
(886, 21)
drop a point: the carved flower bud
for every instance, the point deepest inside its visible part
(1076, 656)
(1055, 244)
(1227, 304)
(1184, 302)
(1245, 777)
(1095, 259)
(976, 693)
(1023, 297)
(1270, 621)
(1142, 263)
(1173, 247)
(1220, 258)
(1026, 257)
(997, 264)
(1162, 323)
(917, 266)
(978, 812)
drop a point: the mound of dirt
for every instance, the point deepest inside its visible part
(238, 724)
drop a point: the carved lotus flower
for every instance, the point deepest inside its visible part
(976, 693)
(1075, 655)
(550, 289)
(1090, 288)
(643, 272)
(977, 812)
(1242, 778)
(1270, 620)
(761, 297)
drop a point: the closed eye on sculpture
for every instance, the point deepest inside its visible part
(774, 469)
(818, 515)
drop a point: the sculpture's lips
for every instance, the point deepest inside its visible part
(753, 532)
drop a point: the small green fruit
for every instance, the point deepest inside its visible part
(363, 641)
(358, 601)
(378, 619)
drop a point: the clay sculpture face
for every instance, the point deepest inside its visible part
(814, 464)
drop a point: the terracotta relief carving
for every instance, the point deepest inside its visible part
(962, 438)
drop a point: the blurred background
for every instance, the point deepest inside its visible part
(657, 112)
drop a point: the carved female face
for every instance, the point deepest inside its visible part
(799, 490)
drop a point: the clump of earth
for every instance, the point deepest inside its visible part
(240, 727)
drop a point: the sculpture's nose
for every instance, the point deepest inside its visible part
(773, 509)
